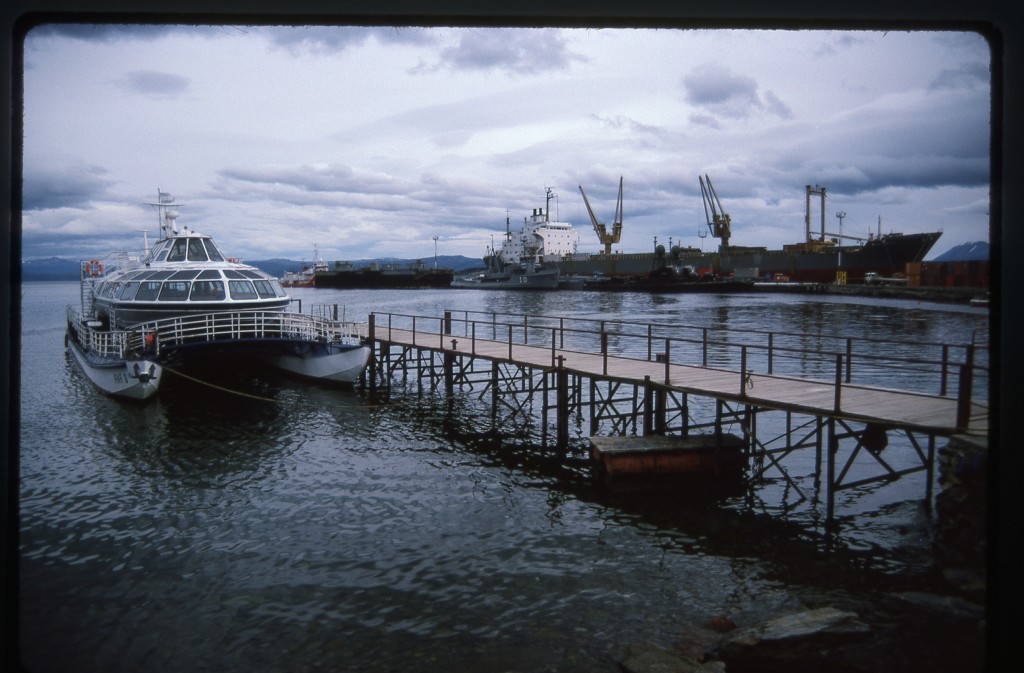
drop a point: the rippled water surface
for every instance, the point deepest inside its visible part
(289, 527)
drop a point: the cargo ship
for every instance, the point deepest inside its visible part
(346, 275)
(822, 257)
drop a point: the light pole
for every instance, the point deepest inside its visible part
(841, 214)
(435, 252)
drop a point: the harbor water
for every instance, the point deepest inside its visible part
(257, 524)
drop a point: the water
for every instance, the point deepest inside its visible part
(300, 528)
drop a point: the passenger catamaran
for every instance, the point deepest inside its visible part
(182, 302)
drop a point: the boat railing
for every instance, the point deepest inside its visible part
(226, 326)
(104, 343)
(100, 267)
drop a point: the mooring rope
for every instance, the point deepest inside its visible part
(220, 388)
(271, 399)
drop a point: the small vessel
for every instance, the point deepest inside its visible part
(182, 302)
(512, 277)
(306, 277)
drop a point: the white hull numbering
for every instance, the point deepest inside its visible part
(143, 315)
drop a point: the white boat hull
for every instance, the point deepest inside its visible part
(326, 362)
(135, 379)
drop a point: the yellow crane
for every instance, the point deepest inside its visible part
(602, 231)
(718, 219)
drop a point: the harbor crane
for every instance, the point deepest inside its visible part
(718, 219)
(602, 231)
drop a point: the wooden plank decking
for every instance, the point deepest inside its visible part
(933, 414)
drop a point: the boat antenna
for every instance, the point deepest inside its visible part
(166, 213)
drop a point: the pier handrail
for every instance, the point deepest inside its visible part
(712, 352)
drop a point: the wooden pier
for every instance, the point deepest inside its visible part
(649, 380)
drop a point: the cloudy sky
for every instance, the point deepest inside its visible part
(371, 141)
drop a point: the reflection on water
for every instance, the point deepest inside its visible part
(268, 525)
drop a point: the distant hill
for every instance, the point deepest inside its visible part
(56, 268)
(50, 268)
(965, 252)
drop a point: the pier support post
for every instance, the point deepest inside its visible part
(494, 393)
(449, 374)
(648, 402)
(562, 405)
(839, 383)
(830, 463)
(963, 401)
(371, 335)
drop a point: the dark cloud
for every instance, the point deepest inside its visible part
(71, 187)
(153, 84)
(720, 91)
(967, 76)
(717, 87)
(517, 51)
(321, 40)
(775, 105)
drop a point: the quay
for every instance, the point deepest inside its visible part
(698, 384)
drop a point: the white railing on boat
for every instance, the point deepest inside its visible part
(223, 326)
(246, 325)
(103, 343)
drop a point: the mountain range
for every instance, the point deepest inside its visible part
(56, 268)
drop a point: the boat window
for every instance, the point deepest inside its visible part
(185, 275)
(231, 273)
(277, 287)
(174, 290)
(161, 275)
(155, 251)
(214, 253)
(177, 251)
(251, 274)
(207, 290)
(196, 251)
(264, 288)
(163, 255)
(148, 290)
(241, 289)
(210, 274)
(128, 291)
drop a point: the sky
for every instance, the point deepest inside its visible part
(364, 142)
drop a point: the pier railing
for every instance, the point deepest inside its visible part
(958, 370)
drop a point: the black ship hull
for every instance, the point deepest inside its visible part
(886, 255)
(384, 279)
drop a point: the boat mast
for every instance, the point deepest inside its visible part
(166, 214)
(547, 204)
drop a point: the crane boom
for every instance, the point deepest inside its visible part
(602, 231)
(719, 221)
